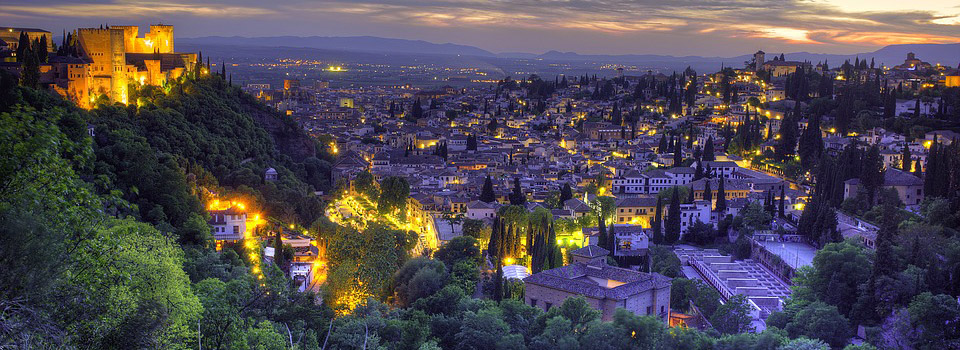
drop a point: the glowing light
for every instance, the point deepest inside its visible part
(509, 261)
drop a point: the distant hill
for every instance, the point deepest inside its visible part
(947, 54)
(345, 43)
(390, 49)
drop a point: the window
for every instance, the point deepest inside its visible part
(533, 302)
(548, 306)
(236, 229)
(649, 309)
(661, 309)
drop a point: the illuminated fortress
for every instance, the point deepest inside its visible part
(106, 61)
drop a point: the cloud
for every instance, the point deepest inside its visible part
(823, 24)
(133, 9)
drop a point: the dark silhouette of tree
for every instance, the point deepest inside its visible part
(906, 159)
(517, 197)
(673, 219)
(709, 154)
(566, 193)
(658, 223)
(486, 193)
(871, 177)
(721, 197)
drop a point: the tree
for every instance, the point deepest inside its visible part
(658, 223)
(700, 233)
(475, 228)
(733, 316)
(783, 196)
(393, 197)
(678, 152)
(871, 177)
(810, 147)
(819, 320)
(418, 278)
(709, 154)
(708, 193)
(787, 142)
(721, 206)
(566, 193)
(673, 219)
(463, 248)
(30, 66)
(558, 334)
(839, 269)
(601, 233)
(906, 160)
(517, 197)
(934, 318)
(472, 143)
(482, 330)
(365, 184)
(486, 194)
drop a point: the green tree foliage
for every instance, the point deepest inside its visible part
(816, 320)
(934, 319)
(394, 191)
(75, 276)
(365, 184)
(838, 271)
(463, 248)
(733, 316)
(418, 278)
(380, 249)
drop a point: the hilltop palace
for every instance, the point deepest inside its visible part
(95, 62)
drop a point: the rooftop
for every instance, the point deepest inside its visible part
(598, 281)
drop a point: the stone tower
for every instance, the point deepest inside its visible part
(760, 59)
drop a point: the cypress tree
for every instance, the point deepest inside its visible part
(721, 197)
(783, 197)
(517, 197)
(673, 219)
(906, 160)
(663, 144)
(811, 144)
(498, 282)
(566, 193)
(708, 151)
(601, 232)
(708, 193)
(611, 239)
(658, 222)
(486, 194)
(871, 177)
(30, 74)
(690, 196)
(23, 46)
(678, 152)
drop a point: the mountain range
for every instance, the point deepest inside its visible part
(947, 54)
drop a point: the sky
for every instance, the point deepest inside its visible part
(671, 27)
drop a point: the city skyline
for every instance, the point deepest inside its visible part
(707, 28)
